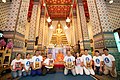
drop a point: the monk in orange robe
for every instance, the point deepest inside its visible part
(59, 57)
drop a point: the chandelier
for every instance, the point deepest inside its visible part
(49, 20)
(4, 1)
(68, 19)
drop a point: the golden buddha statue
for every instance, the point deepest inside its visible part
(59, 33)
(59, 30)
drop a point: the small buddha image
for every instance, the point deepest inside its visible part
(78, 61)
(69, 64)
(51, 63)
(59, 57)
(36, 65)
(17, 65)
(88, 62)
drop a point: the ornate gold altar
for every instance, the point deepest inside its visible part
(59, 37)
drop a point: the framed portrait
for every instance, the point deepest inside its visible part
(6, 59)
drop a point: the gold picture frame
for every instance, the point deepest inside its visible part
(1, 57)
(6, 59)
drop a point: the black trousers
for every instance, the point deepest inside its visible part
(97, 71)
(48, 71)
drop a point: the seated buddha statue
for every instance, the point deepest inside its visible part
(59, 57)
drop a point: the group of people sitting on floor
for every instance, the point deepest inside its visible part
(78, 64)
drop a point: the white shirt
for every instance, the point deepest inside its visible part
(26, 63)
(49, 62)
(17, 64)
(86, 58)
(97, 60)
(79, 60)
(36, 60)
(108, 59)
(68, 59)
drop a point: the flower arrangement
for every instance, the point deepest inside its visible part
(10, 45)
(2, 43)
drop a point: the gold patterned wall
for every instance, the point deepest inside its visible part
(16, 17)
(114, 14)
(84, 28)
(4, 8)
(101, 26)
(32, 29)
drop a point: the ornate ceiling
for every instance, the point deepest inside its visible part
(58, 9)
(58, 2)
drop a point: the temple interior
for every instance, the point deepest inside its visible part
(56, 26)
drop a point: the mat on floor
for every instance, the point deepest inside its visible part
(58, 76)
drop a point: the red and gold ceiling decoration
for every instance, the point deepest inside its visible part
(58, 9)
(58, 2)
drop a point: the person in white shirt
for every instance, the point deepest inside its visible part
(27, 65)
(48, 65)
(109, 63)
(87, 61)
(36, 64)
(79, 64)
(97, 63)
(16, 66)
(69, 63)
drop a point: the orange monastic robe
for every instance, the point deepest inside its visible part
(59, 57)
